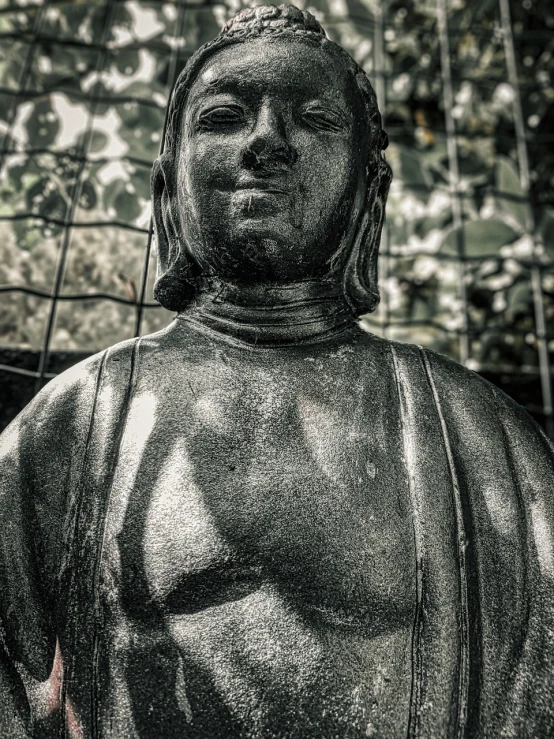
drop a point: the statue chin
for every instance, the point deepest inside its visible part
(263, 249)
(265, 237)
(261, 258)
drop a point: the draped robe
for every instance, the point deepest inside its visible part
(479, 481)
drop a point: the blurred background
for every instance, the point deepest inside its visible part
(467, 256)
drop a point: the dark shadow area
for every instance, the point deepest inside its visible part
(525, 389)
(17, 390)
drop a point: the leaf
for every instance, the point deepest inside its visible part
(125, 203)
(111, 191)
(97, 142)
(36, 192)
(422, 309)
(480, 238)
(16, 172)
(53, 206)
(508, 182)
(98, 21)
(520, 299)
(141, 127)
(127, 61)
(43, 124)
(44, 200)
(88, 197)
(413, 173)
(546, 229)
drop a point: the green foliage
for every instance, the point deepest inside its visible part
(483, 237)
(88, 122)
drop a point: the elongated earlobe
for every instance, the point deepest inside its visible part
(158, 191)
(360, 281)
(177, 272)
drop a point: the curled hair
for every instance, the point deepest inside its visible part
(357, 259)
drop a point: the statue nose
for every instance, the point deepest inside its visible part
(267, 147)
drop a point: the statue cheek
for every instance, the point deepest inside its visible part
(327, 165)
(325, 191)
(209, 163)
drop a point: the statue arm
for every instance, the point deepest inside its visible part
(40, 457)
(504, 465)
(531, 696)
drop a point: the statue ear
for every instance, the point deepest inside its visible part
(360, 281)
(176, 272)
(164, 222)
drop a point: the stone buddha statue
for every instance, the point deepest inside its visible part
(263, 522)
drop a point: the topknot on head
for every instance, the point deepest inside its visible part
(288, 20)
(268, 19)
(285, 22)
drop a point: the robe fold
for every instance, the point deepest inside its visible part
(481, 484)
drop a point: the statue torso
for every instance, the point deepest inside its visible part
(258, 565)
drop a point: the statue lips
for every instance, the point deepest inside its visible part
(258, 197)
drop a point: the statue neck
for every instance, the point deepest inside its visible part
(272, 315)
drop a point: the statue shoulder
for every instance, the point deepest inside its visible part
(64, 406)
(62, 398)
(464, 398)
(52, 426)
(488, 429)
(415, 365)
(461, 389)
(41, 463)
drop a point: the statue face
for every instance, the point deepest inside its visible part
(269, 161)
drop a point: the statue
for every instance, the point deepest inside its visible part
(263, 521)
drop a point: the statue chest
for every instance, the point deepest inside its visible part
(258, 557)
(289, 482)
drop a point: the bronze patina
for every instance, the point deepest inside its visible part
(263, 521)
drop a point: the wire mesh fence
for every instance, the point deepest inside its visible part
(467, 257)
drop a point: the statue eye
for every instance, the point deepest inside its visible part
(323, 119)
(221, 116)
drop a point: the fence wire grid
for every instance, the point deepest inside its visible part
(467, 255)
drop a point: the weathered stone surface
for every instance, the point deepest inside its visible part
(262, 521)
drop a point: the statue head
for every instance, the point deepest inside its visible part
(272, 169)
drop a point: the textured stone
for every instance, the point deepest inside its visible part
(262, 521)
